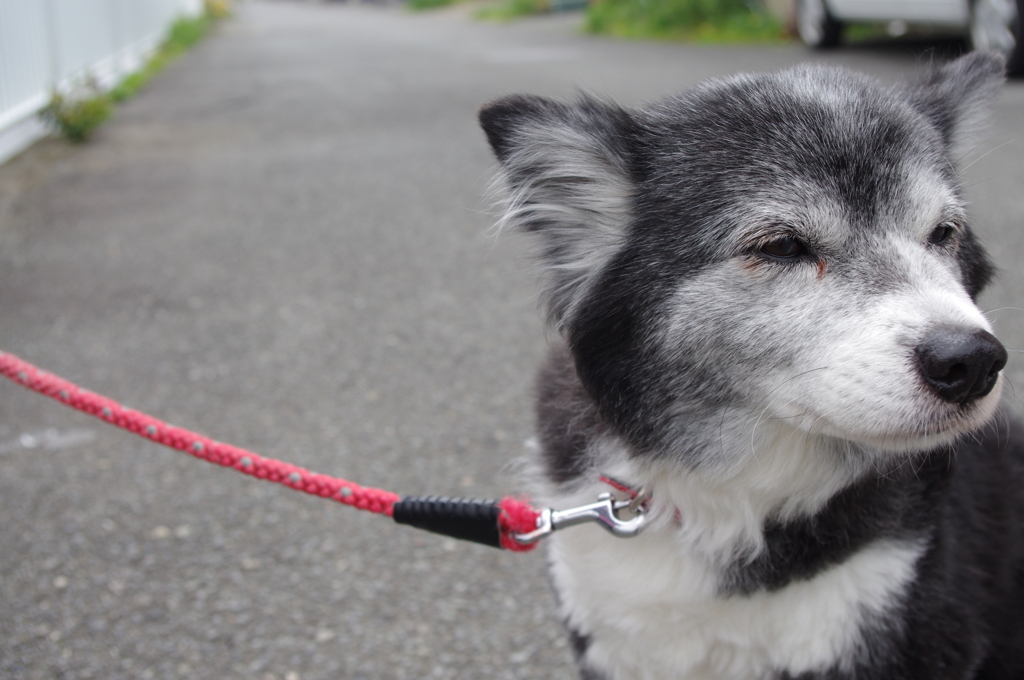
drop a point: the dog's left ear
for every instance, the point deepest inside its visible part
(958, 97)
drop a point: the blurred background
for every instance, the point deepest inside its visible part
(268, 221)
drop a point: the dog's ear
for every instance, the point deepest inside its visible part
(958, 97)
(567, 169)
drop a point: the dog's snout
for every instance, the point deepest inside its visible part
(961, 365)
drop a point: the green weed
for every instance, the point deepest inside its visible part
(183, 34)
(77, 115)
(416, 5)
(513, 9)
(217, 9)
(700, 20)
(186, 32)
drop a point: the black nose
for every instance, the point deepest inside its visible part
(961, 365)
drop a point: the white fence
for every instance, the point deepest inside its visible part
(47, 44)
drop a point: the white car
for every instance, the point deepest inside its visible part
(987, 24)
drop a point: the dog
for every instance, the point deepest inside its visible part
(764, 296)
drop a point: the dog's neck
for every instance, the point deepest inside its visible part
(773, 473)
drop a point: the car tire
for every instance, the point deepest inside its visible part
(996, 25)
(816, 25)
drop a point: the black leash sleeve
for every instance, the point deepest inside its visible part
(467, 519)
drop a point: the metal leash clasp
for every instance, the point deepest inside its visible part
(605, 512)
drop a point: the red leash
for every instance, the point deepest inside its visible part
(488, 522)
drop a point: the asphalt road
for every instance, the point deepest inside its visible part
(283, 242)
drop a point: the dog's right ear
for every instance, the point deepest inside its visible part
(568, 171)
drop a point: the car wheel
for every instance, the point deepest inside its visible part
(815, 24)
(995, 25)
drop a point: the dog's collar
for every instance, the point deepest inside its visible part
(639, 497)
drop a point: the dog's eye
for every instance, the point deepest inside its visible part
(785, 248)
(942, 234)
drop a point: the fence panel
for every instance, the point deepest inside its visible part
(47, 44)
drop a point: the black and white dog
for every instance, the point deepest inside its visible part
(764, 291)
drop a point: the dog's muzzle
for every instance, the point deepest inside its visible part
(961, 365)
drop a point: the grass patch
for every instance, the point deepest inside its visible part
(416, 5)
(513, 9)
(77, 114)
(864, 32)
(427, 4)
(725, 21)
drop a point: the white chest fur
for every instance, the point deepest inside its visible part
(652, 605)
(653, 613)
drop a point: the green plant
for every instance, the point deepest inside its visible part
(130, 85)
(428, 4)
(702, 20)
(860, 32)
(183, 34)
(512, 9)
(77, 114)
(416, 5)
(217, 9)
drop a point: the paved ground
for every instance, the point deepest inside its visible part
(283, 243)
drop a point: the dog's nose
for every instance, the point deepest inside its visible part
(961, 365)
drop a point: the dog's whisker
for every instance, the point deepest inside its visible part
(770, 399)
(974, 147)
(1013, 390)
(996, 148)
(986, 312)
(981, 182)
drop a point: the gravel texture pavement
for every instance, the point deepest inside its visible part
(284, 243)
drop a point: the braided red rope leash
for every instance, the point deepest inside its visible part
(514, 516)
